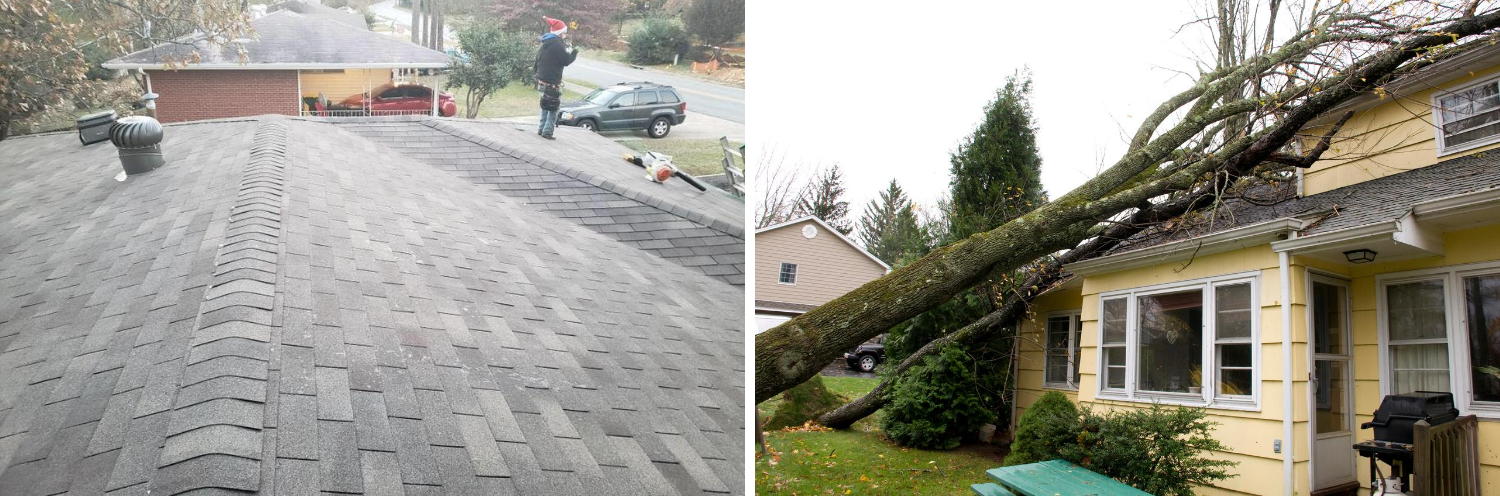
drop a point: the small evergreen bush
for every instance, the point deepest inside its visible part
(1047, 428)
(1159, 450)
(656, 42)
(936, 404)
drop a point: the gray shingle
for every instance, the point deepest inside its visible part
(353, 321)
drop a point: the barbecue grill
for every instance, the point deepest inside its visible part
(1394, 423)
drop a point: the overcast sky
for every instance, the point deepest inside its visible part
(889, 92)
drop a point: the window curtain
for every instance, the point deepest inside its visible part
(1417, 323)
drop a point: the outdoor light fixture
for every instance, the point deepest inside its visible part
(1360, 256)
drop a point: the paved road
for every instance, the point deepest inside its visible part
(724, 102)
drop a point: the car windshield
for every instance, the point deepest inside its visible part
(601, 96)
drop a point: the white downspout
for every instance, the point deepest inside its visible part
(1287, 465)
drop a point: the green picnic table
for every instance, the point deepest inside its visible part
(1052, 478)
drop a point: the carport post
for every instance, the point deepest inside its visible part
(434, 94)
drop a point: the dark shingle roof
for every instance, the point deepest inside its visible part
(287, 307)
(286, 38)
(1383, 199)
(582, 178)
(353, 19)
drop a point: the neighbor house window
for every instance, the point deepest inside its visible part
(1441, 332)
(1469, 117)
(1190, 342)
(788, 273)
(1062, 350)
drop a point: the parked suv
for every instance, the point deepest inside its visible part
(646, 105)
(865, 357)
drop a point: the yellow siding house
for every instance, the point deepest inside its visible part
(1290, 322)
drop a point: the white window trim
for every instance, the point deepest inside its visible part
(1437, 119)
(1075, 335)
(1206, 397)
(780, 269)
(1458, 330)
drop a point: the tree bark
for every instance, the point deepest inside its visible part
(790, 353)
(416, 22)
(1008, 315)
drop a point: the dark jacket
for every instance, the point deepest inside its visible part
(551, 59)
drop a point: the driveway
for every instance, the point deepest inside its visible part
(716, 100)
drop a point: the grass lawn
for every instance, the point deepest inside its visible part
(512, 101)
(861, 461)
(695, 156)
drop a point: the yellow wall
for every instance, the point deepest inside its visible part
(1391, 138)
(1461, 247)
(1249, 434)
(337, 85)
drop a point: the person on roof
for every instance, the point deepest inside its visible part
(550, 61)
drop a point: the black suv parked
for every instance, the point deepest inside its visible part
(865, 357)
(646, 105)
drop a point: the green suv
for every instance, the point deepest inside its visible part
(646, 105)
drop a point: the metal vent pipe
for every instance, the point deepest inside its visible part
(139, 139)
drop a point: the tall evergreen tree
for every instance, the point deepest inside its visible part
(889, 227)
(997, 173)
(821, 199)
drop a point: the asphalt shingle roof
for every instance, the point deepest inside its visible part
(288, 37)
(582, 178)
(288, 307)
(1383, 199)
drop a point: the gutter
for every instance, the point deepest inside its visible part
(1373, 231)
(1219, 242)
(1287, 464)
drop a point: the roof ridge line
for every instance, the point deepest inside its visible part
(214, 444)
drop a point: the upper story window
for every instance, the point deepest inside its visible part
(1468, 118)
(788, 273)
(1189, 342)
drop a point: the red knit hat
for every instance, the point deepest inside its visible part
(555, 26)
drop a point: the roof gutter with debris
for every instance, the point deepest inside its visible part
(1232, 239)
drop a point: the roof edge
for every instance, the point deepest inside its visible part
(1372, 230)
(830, 229)
(271, 67)
(1222, 241)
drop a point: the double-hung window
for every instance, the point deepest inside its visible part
(1063, 329)
(1191, 342)
(1467, 118)
(788, 274)
(1440, 331)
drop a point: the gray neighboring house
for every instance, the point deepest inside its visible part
(801, 264)
(291, 307)
(299, 51)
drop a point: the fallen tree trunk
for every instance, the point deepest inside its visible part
(790, 353)
(1013, 308)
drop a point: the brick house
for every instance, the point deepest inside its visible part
(301, 51)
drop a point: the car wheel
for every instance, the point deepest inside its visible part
(588, 125)
(867, 363)
(659, 127)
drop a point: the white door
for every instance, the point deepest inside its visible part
(1332, 416)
